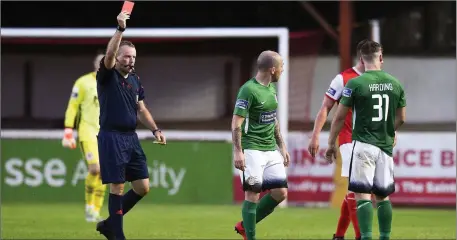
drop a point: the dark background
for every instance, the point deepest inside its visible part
(401, 20)
(422, 28)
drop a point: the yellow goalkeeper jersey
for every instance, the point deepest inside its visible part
(83, 110)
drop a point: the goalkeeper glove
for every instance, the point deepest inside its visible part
(68, 140)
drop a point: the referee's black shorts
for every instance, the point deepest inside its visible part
(121, 157)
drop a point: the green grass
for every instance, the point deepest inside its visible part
(147, 221)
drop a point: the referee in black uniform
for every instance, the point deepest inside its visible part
(122, 159)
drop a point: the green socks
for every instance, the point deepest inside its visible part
(385, 219)
(249, 219)
(365, 217)
(254, 213)
(266, 206)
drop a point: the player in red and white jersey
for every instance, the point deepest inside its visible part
(332, 96)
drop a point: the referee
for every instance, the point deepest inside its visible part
(122, 159)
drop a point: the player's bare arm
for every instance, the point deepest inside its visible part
(321, 118)
(113, 44)
(399, 120)
(147, 120)
(281, 144)
(400, 117)
(337, 125)
(237, 121)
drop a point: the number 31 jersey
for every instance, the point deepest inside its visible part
(374, 98)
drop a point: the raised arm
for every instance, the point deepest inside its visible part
(113, 45)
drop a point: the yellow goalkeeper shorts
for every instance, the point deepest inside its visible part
(90, 152)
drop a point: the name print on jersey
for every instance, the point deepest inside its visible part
(379, 87)
(267, 117)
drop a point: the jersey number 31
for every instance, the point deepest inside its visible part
(382, 107)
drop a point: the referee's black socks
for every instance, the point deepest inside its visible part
(116, 214)
(129, 200)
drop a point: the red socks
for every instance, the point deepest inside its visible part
(343, 222)
(348, 214)
(352, 206)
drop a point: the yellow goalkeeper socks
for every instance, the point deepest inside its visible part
(91, 184)
(99, 195)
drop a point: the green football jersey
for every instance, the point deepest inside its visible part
(374, 97)
(258, 104)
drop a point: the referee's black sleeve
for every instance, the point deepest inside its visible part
(140, 91)
(104, 74)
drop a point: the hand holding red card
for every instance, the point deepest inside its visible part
(122, 19)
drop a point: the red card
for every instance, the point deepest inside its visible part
(128, 7)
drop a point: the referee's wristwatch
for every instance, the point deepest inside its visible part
(156, 130)
(120, 29)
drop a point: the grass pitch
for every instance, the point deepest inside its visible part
(148, 221)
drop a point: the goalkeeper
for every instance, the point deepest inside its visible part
(83, 114)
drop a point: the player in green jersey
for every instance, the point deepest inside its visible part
(255, 131)
(378, 103)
